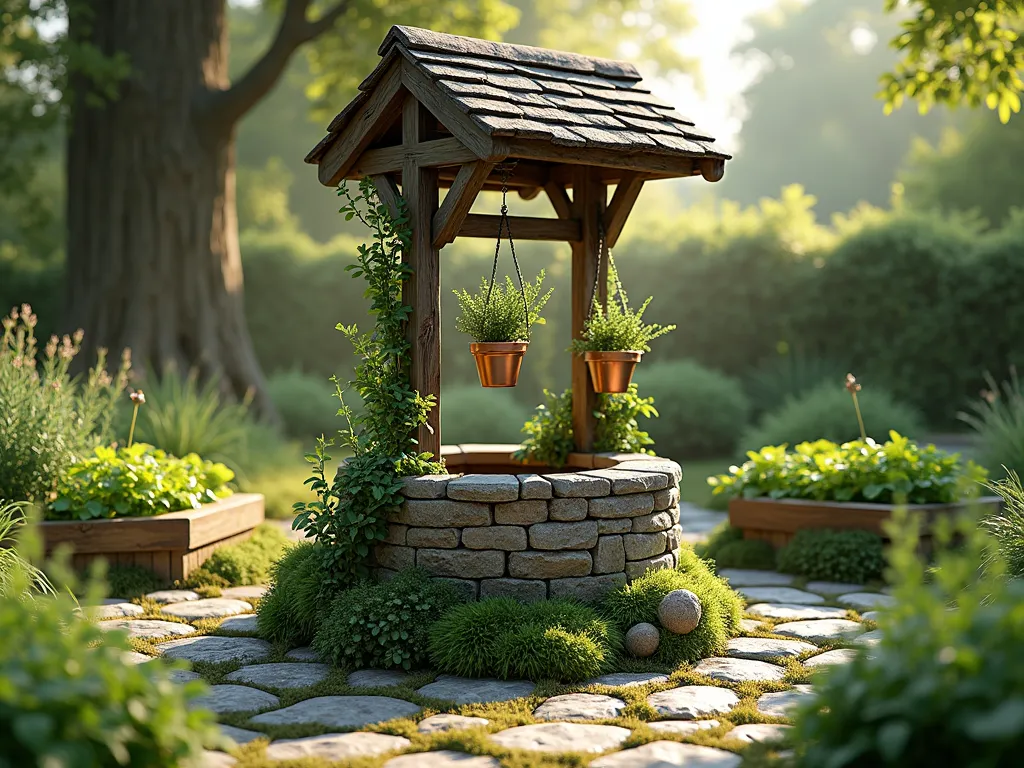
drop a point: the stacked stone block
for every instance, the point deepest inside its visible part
(572, 534)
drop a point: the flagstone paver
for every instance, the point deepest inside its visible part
(245, 623)
(442, 723)
(820, 631)
(216, 649)
(870, 615)
(866, 600)
(282, 675)
(833, 587)
(303, 654)
(661, 754)
(113, 611)
(780, 595)
(240, 735)
(580, 706)
(464, 690)
(211, 759)
(739, 670)
(562, 737)
(764, 648)
(134, 657)
(830, 658)
(377, 678)
(336, 746)
(442, 759)
(208, 608)
(628, 679)
(339, 711)
(182, 676)
(148, 629)
(752, 732)
(168, 596)
(254, 592)
(794, 612)
(750, 625)
(682, 727)
(692, 702)
(746, 578)
(782, 704)
(223, 699)
(874, 637)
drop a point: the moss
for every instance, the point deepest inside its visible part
(845, 556)
(249, 562)
(289, 611)
(130, 581)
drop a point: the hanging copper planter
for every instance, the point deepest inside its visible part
(498, 362)
(611, 372)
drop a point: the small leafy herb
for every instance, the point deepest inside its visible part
(504, 317)
(615, 327)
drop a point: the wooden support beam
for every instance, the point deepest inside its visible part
(529, 193)
(619, 208)
(459, 200)
(388, 192)
(588, 207)
(523, 228)
(559, 199)
(525, 174)
(392, 159)
(668, 166)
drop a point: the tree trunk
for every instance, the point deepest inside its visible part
(153, 261)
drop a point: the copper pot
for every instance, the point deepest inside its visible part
(498, 362)
(611, 371)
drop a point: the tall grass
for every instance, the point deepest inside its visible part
(997, 419)
(1007, 525)
(15, 570)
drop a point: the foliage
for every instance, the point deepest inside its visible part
(291, 610)
(786, 377)
(137, 482)
(305, 402)
(501, 312)
(384, 625)
(852, 557)
(557, 639)
(613, 326)
(618, 426)
(896, 472)
(473, 414)
(49, 418)
(16, 571)
(721, 609)
(128, 581)
(943, 685)
(728, 549)
(997, 418)
(250, 561)
(350, 513)
(1006, 526)
(702, 412)
(549, 435)
(827, 412)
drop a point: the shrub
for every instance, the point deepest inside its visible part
(473, 414)
(137, 482)
(249, 561)
(306, 403)
(128, 581)
(464, 642)
(826, 413)
(291, 610)
(536, 652)
(18, 577)
(384, 625)
(1007, 525)
(728, 549)
(854, 557)
(501, 312)
(898, 471)
(701, 412)
(615, 327)
(997, 419)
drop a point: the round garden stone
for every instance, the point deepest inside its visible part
(378, 678)
(780, 595)
(339, 711)
(867, 601)
(659, 754)
(682, 727)
(580, 706)
(210, 608)
(303, 654)
(832, 587)
(764, 648)
(692, 702)
(443, 723)
(254, 592)
(283, 675)
(818, 631)
(758, 732)
(874, 637)
(168, 596)
(240, 735)
(465, 690)
(223, 699)
(830, 658)
(680, 611)
(794, 612)
(443, 759)
(739, 670)
(782, 704)
(148, 629)
(628, 679)
(562, 737)
(642, 639)
(739, 577)
(242, 624)
(216, 649)
(336, 746)
(114, 611)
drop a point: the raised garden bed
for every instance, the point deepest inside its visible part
(171, 545)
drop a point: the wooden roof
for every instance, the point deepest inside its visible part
(519, 91)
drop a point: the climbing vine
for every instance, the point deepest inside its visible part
(350, 513)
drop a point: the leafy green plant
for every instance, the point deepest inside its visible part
(128, 581)
(350, 513)
(384, 625)
(548, 433)
(291, 610)
(618, 422)
(499, 312)
(137, 481)
(898, 471)
(853, 557)
(18, 577)
(997, 419)
(461, 409)
(728, 549)
(249, 561)
(50, 419)
(1007, 525)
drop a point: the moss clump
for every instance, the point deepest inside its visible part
(727, 547)
(846, 556)
(130, 581)
(289, 612)
(249, 561)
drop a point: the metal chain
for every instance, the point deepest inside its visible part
(503, 223)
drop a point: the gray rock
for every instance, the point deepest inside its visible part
(830, 658)
(680, 611)
(693, 702)
(738, 670)
(148, 629)
(378, 678)
(563, 536)
(642, 640)
(641, 546)
(303, 654)
(867, 601)
(464, 690)
(667, 499)
(758, 732)
(216, 649)
(524, 590)
(666, 467)
(579, 485)
(765, 648)
(794, 612)
(580, 706)
(652, 523)
(134, 657)
(562, 737)
(683, 727)
(241, 624)
(283, 675)
(613, 525)
(782, 704)
(113, 611)
(521, 513)
(568, 510)
(394, 558)
(533, 487)
(240, 735)
(336, 746)
(340, 712)
(213, 759)
(397, 534)
(870, 615)
(439, 538)
(668, 753)
(628, 679)
(632, 481)
(462, 563)
(167, 596)
(609, 555)
(780, 595)
(548, 565)
(633, 505)
(586, 588)
(638, 568)
(868, 639)
(832, 587)
(750, 625)
(442, 513)
(224, 699)
(182, 676)
(251, 592)
(425, 486)
(509, 538)
(738, 577)
(818, 631)
(444, 723)
(445, 758)
(209, 608)
(490, 488)
(675, 537)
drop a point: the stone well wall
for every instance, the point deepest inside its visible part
(532, 536)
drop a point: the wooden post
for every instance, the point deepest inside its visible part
(423, 289)
(588, 205)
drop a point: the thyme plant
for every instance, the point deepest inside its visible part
(614, 327)
(504, 316)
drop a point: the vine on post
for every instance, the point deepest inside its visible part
(350, 513)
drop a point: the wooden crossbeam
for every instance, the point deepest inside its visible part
(559, 199)
(426, 154)
(666, 166)
(388, 192)
(619, 208)
(460, 198)
(523, 228)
